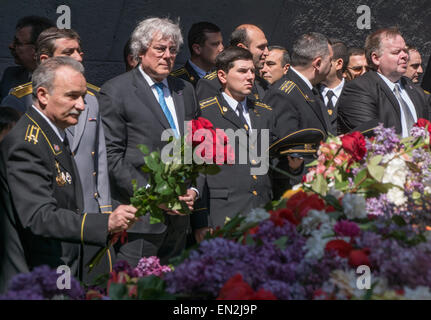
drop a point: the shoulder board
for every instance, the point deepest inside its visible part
(426, 92)
(178, 72)
(91, 93)
(211, 75)
(287, 86)
(261, 104)
(208, 102)
(32, 135)
(92, 87)
(22, 90)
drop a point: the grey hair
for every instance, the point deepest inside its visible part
(44, 75)
(144, 33)
(308, 47)
(286, 56)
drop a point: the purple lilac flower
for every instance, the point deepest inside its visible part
(386, 140)
(346, 228)
(150, 266)
(379, 206)
(123, 265)
(41, 284)
(418, 132)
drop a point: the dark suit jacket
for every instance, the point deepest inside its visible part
(187, 73)
(42, 220)
(131, 116)
(426, 80)
(235, 189)
(367, 100)
(209, 86)
(295, 107)
(12, 77)
(332, 117)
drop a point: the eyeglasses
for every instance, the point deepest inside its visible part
(160, 50)
(18, 43)
(358, 69)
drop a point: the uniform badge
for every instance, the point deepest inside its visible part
(224, 109)
(68, 178)
(330, 112)
(192, 78)
(56, 148)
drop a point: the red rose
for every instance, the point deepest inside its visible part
(312, 202)
(205, 123)
(263, 294)
(359, 257)
(296, 199)
(354, 144)
(423, 123)
(340, 246)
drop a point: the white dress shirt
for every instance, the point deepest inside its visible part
(302, 77)
(337, 92)
(234, 105)
(166, 93)
(406, 98)
(201, 73)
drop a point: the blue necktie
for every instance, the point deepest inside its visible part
(162, 102)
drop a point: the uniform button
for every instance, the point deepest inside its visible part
(96, 195)
(94, 173)
(92, 153)
(252, 147)
(254, 177)
(253, 161)
(255, 192)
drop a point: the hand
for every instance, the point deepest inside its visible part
(189, 198)
(122, 218)
(201, 233)
(295, 163)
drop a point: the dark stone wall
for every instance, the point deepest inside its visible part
(105, 26)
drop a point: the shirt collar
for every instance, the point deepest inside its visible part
(390, 84)
(302, 77)
(337, 90)
(149, 80)
(201, 73)
(233, 103)
(59, 132)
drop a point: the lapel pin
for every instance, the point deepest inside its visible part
(56, 148)
(224, 109)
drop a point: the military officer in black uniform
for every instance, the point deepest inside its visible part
(249, 37)
(42, 219)
(239, 187)
(296, 102)
(205, 42)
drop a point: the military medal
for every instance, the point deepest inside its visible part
(61, 177)
(68, 178)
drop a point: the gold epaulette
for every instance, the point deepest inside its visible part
(208, 102)
(211, 75)
(22, 90)
(287, 86)
(426, 92)
(179, 72)
(91, 93)
(32, 136)
(92, 87)
(261, 104)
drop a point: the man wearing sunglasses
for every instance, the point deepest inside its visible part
(357, 64)
(23, 50)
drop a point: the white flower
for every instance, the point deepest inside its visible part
(396, 196)
(255, 216)
(314, 219)
(315, 245)
(354, 206)
(396, 172)
(334, 192)
(388, 157)
(420, 293)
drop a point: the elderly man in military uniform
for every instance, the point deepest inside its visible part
(23, 50)
(43, 221)
(205, 43)
(87, 139)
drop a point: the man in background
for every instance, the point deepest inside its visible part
(276, 64)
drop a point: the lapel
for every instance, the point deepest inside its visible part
(228, 113)
(389, 94)
(194, 77)
(177, 96)
(413, 95)
(309, 97)
(56, 145)
(147, 98)
(75, 133)
(255, 117)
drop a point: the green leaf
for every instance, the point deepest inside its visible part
(341, 185)
(376, 172)
(118, 291)
(163, 188)
(320, 185)
(331, 200)
(144, 149)
(399, 221)
(360, 176)
(153, 288)
(374, 161)
(281, 242)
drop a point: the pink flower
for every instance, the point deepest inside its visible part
(151, 266)
(346, 228)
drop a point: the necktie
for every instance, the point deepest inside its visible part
(330, 105)
(66, 145)
(162, 102)
(241, 116)
(407, 113)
